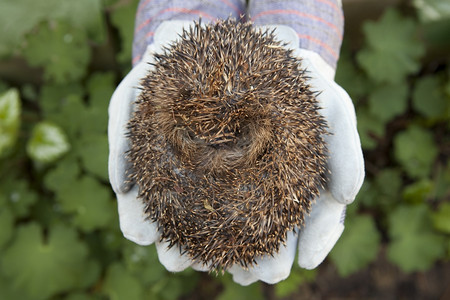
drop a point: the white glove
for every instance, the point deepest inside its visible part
(322, 228)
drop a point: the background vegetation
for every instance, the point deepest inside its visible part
(60, 61)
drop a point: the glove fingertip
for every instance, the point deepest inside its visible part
(138, 239)
(171, 258)
(133, 221)
(313, 259)
(346, 161)
(241, 276)
(273, 269)
(322, 229)
(200, 267)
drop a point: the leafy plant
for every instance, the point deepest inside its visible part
(36, 265)
(392, 50)
(48, 143)
(416, 151)
(415, 246)
(357, 247)
(59, 228)
(10, 110)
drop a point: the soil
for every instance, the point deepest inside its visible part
(380, 280)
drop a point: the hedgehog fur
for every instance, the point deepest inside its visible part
(227, 144)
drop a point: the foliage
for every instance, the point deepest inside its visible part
(415, 246)
(358, 245)
(236, 292)
(403, 112)
(296, 278)
(59, 232)
(432, 10)
(61, 44)
(36, 266)
(10, 110)
(47, 143)
(416, 151)
(392, 50)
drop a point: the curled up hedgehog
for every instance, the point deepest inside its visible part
(226, 144)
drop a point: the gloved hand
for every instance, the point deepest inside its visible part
(324, 225)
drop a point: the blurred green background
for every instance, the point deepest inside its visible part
(59, 234)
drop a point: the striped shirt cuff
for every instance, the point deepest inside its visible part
(319, 24)
(151, 13)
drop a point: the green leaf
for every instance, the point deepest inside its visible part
(388, 101)
(143, 263)
(101, 86)
(352, 80)
(297, 277)
(89, 201)
(63, 175)
(368, 194)
(70, 116)
(441, 218)
(435, 34)
(429, 98)
(64, 55)
(418, 192)
(358, 245)
(447, 85)
(47, 143)
(93, 150)
(448, 248)
(174, 286)
(120, 285)
(82, 296)
(10, 110)
(123, 18)
(432, 10)
(8, 291)
(416, 151)
(442, 181)
(383, 193)
(53, 96)
(50, 265)
(3, 87)
(6, 225)
(28, 91)
(17, 195)
(370, 128)
(389, 182)
(234, 291)
(414, 246)
(16, 19)
(86, 15)
(392, 51)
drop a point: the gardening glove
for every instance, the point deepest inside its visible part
(314, 32)
(325, 223)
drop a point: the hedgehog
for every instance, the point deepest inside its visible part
(226, 144)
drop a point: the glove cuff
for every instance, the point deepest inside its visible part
(151, 14)
(319, 25)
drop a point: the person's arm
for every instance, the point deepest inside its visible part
(318, 24)
(151, 14)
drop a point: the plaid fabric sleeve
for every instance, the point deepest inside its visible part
(151, 13)
(319, 24)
